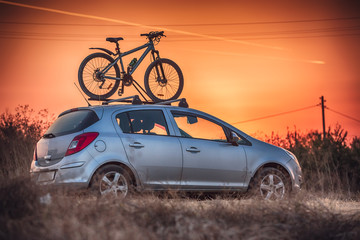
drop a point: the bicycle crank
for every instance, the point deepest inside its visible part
(127, 80)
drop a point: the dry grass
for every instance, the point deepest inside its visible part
(22, 216)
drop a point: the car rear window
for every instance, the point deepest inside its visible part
(72, 122)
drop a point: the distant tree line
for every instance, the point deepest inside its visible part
(329, 165)
(19, 133)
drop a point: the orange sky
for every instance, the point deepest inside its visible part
(262, 57)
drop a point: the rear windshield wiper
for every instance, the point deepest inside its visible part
(49, 135)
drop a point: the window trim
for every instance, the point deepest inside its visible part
(143, 110)
(226, 129)
(203, 117)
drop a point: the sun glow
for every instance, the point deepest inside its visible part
(240, 60)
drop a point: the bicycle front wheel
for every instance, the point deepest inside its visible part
(93, 82)
(163, 80)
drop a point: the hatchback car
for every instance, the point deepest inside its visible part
(119, 148)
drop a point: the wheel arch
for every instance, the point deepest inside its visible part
(276, 165)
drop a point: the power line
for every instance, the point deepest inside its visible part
(178, 40)
(183, 32)
(243, 36)
(65, 24)
(271, 38)
(290, 32)
(192, 25)
(286, 32)
(344, 115)
(299, 33)
(47, 34)
(50, 39)
(310, 36)
(278, 114)
(272, 22)
(297, 110)
(134, 24)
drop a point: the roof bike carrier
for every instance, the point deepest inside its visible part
(135, 100)
(182, 102)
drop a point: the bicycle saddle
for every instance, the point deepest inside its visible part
(113, 40)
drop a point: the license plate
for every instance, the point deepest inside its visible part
(46, 176)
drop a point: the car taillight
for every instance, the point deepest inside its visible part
(80, 142)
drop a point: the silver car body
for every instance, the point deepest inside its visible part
(158, 162)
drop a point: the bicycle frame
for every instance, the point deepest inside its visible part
(149, 47)
(125, 77)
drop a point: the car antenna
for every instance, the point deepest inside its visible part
(89, 105)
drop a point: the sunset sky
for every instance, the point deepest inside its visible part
(241, 60)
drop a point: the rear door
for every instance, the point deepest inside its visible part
(156, 156)
(210, 161)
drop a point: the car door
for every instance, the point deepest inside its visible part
(156, 156)
(209, 160)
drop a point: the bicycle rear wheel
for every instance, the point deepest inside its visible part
(163, 80)
(92, 82)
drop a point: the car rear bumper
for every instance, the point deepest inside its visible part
(69, 172)
(40, 178)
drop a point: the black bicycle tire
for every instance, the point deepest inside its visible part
(147, 74)
(81, 80)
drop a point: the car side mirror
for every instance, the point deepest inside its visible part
(192, 119)
(234, 138)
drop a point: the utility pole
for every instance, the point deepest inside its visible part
(323, 115)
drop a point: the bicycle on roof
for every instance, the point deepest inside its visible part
(99, 74)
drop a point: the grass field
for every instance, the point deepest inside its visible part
(69, 216)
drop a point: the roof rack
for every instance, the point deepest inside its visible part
(137, 101)
(182, 102)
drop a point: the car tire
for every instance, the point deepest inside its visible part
(112, 180)
(270, 184)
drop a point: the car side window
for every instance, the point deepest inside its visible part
(150, 122)
(191, 126)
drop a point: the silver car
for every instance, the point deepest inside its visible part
(119, 148)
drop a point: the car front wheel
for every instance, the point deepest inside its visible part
(271, 184)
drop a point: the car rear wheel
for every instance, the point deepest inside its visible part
(271, 184)
(112, 180)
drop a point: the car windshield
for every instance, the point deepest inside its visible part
(71, 122)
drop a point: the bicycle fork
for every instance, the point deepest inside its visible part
(161, 79)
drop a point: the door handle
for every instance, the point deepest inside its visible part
(136, 145)
(193, 150)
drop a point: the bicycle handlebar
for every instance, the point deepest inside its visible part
(152, 35)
